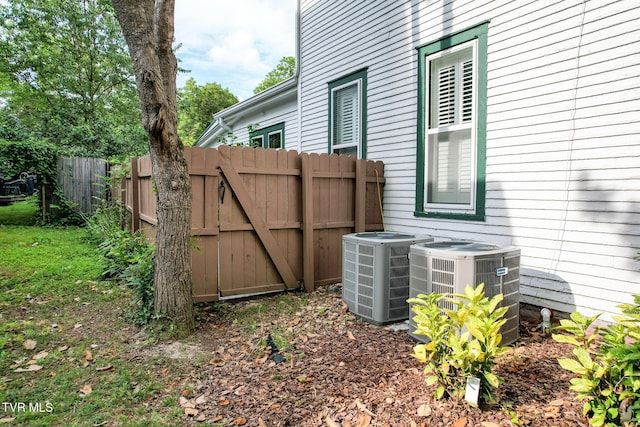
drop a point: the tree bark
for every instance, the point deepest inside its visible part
(148, 28)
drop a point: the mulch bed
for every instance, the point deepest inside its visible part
(342, 371)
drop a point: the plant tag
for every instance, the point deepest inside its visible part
(472, 391)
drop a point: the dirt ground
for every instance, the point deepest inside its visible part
(341, 371)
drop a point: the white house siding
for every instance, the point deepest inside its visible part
(269, 115)
(563, 129)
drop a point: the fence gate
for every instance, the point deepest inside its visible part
(260, 237)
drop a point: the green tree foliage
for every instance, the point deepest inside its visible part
(196, 107)
(66, 77)
(283, 71)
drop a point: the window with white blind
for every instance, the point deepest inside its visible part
(347, 113)
(451, 128)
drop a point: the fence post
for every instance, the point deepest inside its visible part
(135, 196)
(360, 195)
(308, 256)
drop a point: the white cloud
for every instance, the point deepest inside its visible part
(233, 43)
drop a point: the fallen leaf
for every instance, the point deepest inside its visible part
(6, 420)
(53, 373)
(30, 368)
(350, 335)
(29, 344)
(363, 408)
(261, 423)
(224, 402)
(201, 400)
(88, 356)
(63, 348)
(201, 418)
(241, 421)
(557, 402)
(462, 422)
(363, 420)
(85, 390)
(261, 360)
(192, 412)
(216, 419)
(183, 400)
(186, 393)
(105, 368)
(40, 355)
(77, 326)
(345, 308)
(189, 405)
(424, 410)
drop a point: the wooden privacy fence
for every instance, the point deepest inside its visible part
(265, 219)
(83, 181)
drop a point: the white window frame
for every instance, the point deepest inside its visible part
(359, 122)
(468, 208)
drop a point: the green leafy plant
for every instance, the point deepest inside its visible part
(607, 365)
(128, 257)
(463, 342)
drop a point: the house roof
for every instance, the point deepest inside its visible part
(224, 120)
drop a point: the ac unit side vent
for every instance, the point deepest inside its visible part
(376, 273)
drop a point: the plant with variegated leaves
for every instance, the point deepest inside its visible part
(463, 342)
(607, 365)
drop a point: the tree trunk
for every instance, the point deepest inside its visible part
(148, 28)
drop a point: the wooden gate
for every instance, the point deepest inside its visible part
(250, 207)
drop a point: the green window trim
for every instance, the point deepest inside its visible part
(359, 78)
(477, 32)
(264, 133)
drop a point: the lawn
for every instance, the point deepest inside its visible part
(65, 349)
(19, 213)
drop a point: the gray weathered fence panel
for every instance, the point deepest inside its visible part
(82, 181)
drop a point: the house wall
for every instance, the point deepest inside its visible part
(267, 115)
(563, 135)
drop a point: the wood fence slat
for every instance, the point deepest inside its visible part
(135, 195)
(307, 221)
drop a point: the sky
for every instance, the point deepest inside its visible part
(234, 43)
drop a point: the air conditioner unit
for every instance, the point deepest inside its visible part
(375, 274)
(448, 267)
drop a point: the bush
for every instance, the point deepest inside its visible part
(462, 343)
(128, 257)
(607, 364)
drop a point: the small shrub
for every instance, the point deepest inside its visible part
(463, 342)
(128, 257)
(607, 364)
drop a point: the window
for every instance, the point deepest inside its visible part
(347, 115)
(269, 137)
(451, 126)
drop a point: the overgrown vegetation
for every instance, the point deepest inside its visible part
(463, 342)
(607, 364)
(40, 159)
(127, 256)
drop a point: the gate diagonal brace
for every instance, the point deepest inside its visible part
(260, 227)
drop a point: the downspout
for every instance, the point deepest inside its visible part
(224, 126)
(296, 72)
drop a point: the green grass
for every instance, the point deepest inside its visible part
(51, 293)
(19, 213)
